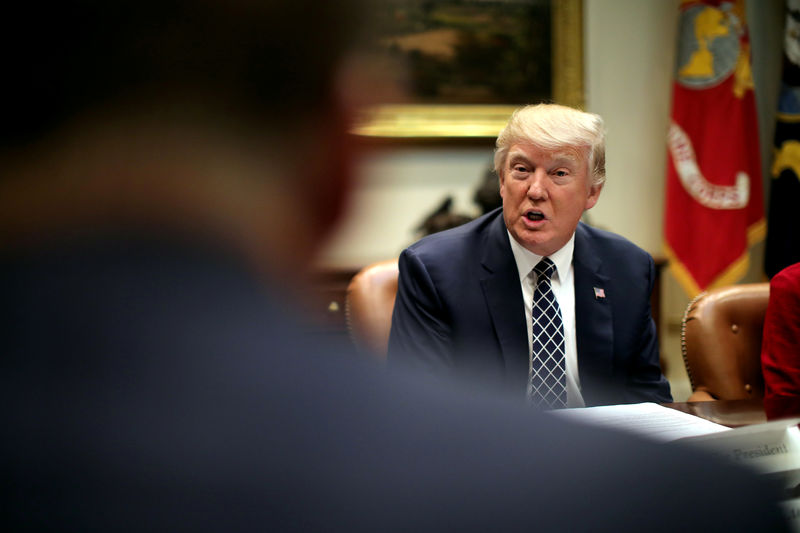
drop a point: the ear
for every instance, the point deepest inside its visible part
(594, 195)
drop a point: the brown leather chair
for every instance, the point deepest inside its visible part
(369, 304)
(721, 342)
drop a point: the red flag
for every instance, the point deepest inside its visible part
(714, 200)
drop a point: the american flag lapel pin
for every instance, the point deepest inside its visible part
(599, 294)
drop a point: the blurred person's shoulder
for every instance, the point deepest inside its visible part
(787, 279)
(555, 475)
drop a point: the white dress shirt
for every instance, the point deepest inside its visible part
(563, 285)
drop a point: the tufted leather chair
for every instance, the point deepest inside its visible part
(369, 304)
(721, 342)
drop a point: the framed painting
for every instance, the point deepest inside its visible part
(464, 65)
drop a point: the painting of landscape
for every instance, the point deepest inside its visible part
(466, 51)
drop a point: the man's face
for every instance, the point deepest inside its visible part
(544, 195)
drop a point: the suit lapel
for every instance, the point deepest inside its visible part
(593, 314)
(503, 294)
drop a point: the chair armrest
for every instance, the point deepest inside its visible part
(701, 396)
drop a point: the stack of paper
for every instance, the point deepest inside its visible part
(646, 419)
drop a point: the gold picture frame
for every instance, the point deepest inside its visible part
(464, 121)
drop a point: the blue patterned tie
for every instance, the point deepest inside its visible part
(547, 384)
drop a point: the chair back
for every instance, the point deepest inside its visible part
(721, 336)
(369, 304)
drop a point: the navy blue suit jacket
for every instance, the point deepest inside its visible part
(459, 309)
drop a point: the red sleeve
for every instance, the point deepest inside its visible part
(780, 352)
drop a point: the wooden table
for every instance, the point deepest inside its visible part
(731, 413)
(737, 413)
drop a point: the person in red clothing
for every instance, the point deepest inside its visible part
(780, 349)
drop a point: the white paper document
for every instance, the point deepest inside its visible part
(646, 419)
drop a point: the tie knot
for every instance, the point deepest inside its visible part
(544, 269)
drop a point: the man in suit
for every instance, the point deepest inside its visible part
(166, 167)
(467, 299)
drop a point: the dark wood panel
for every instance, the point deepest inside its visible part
(325, 304)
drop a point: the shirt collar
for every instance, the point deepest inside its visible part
(526, 259)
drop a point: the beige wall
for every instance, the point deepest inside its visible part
(629, 46)
(398, 187)
(629, 53)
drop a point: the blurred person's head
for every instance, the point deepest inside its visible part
(487, 194)
(550, 161)
(226, 119)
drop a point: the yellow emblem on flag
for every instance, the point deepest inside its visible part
(787, 157)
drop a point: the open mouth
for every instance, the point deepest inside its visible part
(534, 216)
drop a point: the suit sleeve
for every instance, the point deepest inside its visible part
(420, 336)
(646, 382)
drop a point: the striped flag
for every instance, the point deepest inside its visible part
(783, 237)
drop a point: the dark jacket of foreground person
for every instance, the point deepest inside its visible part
(153, 387)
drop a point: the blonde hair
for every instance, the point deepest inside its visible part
(556, 128)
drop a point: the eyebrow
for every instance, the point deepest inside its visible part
(558, 158)
(516, 156)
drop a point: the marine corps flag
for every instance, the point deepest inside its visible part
(783, 237)
(714, 201)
